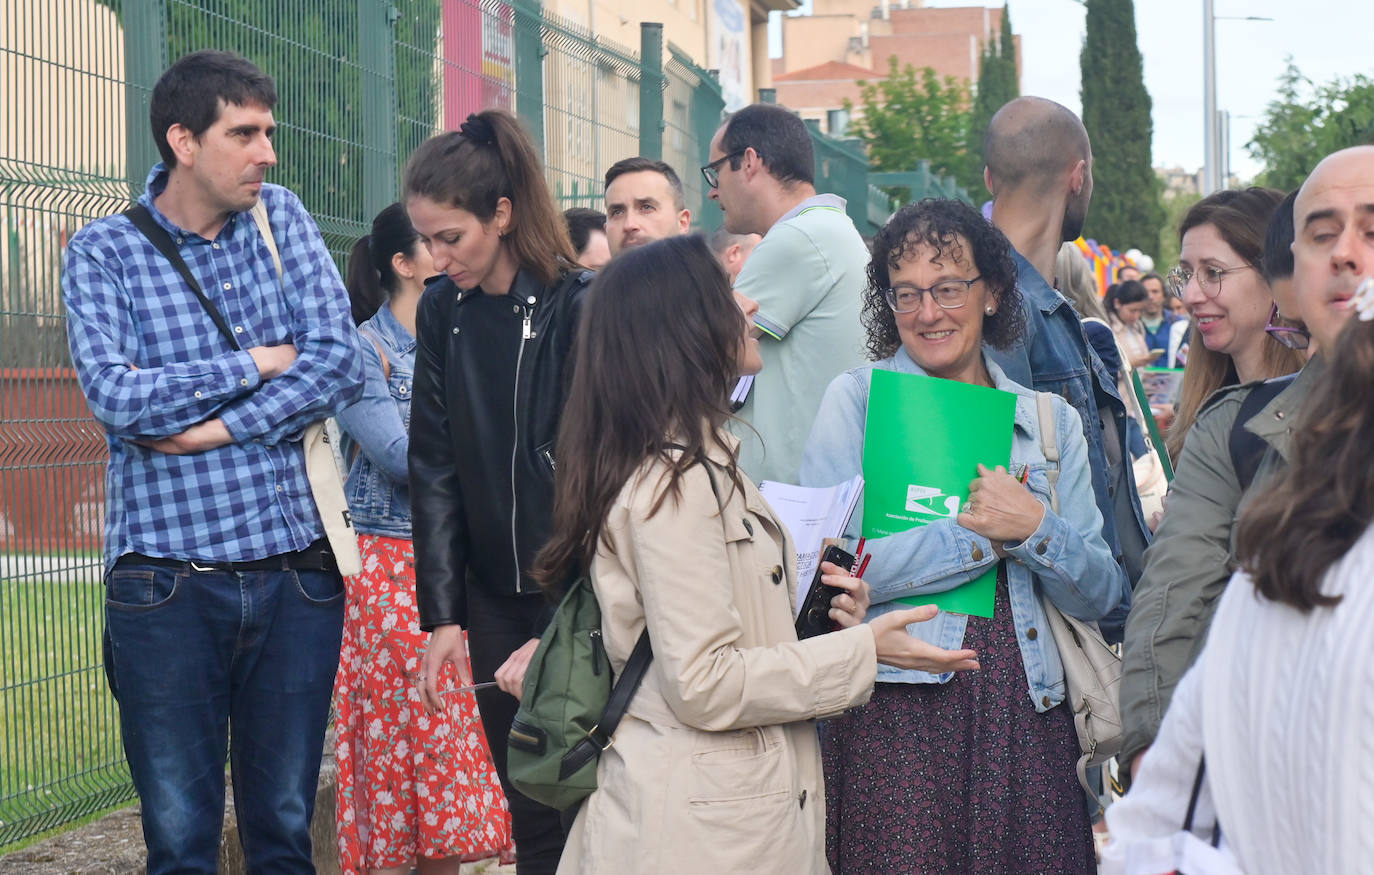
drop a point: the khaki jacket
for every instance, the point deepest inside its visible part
(1188, 564)
(716, 766)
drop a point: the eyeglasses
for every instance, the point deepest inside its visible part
(948, 295)
(1290, 335)
(711, 172)
(1208, 279)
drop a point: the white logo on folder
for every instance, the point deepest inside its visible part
(918, 500)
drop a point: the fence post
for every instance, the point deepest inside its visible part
(529, 68)
(145, 57)
(707, 108)
(651, 89)
(377, 54)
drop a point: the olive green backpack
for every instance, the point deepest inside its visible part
(570, 706)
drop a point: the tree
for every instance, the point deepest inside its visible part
(1175, 208)
(1299, 130)
(913, 115)
(997, 85)
(1125, 208)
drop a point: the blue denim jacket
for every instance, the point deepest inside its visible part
(377, 431)
(1054, 356)
(1065, 558)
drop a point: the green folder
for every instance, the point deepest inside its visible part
(923, 443)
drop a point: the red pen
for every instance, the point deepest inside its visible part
(863, 566)
(1025, 474)
(860, 551)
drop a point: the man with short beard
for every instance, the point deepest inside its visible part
(644, 202)
(1039, 170)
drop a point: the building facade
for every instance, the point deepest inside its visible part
(843, 42)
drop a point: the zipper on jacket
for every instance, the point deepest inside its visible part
(525, 334)
(597, 648)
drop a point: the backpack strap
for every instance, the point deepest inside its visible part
(1247, 448)
(602, 735)
(162, 241)
(1049, 443)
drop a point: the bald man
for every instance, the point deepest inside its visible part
(1039, 170)
(1190, 562)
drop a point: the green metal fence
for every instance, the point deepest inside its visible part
(361, 83)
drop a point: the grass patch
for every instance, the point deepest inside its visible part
(60, 754)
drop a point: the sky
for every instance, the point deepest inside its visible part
(1327, 38)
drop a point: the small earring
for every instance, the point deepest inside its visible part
(990, 310)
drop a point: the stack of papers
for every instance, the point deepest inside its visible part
(811, 515)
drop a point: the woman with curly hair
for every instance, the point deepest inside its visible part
(971, 772)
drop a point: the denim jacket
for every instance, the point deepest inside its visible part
(377, 431)
(1065, 558)
(1055, 357)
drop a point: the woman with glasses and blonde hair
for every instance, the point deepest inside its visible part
(1219, 279)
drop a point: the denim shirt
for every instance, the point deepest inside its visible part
(1055, 357)
(1065, 558)
(377, 430)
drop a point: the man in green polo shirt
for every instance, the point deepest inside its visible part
(807, 275)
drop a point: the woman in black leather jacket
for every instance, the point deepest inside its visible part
(494, 336)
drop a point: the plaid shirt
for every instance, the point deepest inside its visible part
(151, 364)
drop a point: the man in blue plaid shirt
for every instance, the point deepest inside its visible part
(223, 604)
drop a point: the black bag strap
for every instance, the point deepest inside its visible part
(602, 735)
(158, 236)
(1247, 448)
(1192, 804)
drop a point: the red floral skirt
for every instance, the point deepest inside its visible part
(410, 784)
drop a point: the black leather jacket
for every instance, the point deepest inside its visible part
(474, 526)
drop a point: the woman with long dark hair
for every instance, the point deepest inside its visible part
(715, 767)
(412, 788)
(494, 334)
(1278, 702)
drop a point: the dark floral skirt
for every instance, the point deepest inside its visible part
(963, 777)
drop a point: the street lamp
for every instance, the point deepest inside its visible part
(1213, 164)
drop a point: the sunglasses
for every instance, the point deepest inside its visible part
(1287, 332)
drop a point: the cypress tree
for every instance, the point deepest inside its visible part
(997, 84)
(1125, 209)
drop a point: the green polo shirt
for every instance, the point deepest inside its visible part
(808, 275)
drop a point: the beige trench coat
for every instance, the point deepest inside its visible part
(716, 767)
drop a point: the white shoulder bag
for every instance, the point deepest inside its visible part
(1092, 668)
(321, 457)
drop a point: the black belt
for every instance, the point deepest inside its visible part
(316, 557)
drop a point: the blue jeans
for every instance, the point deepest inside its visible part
(196, 654)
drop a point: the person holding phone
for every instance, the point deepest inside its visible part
(715, 767)
(972, 772)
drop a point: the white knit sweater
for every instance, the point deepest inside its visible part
(1283, 703)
